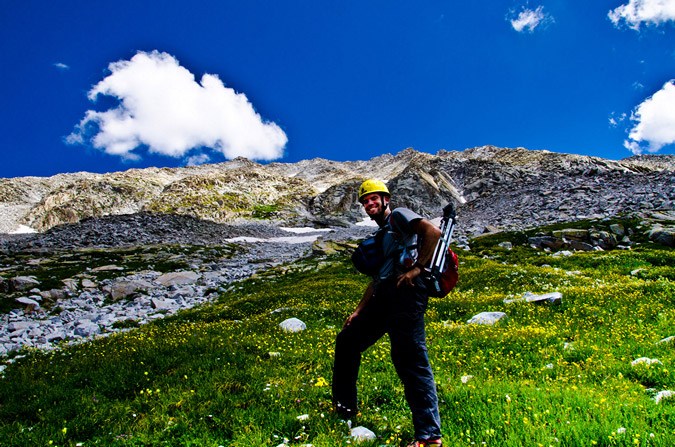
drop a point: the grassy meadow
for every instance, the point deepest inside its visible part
(227, 375)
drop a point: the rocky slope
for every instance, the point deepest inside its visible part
(493, 188)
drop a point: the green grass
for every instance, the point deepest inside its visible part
(226, 374)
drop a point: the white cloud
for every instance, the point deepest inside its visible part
(636, 12)
(61, 66)
(528, 19)
(163, 108)
(655, 119)
(615, 120)
(198, 159)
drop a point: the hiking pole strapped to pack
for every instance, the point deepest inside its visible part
(441, 275)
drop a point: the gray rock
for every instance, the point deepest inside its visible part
(546, 241)
(53, 294)
(89, 284)
(126, 288)
(182, 292)
(361, 434)
(178, 278)
(87, 328)
(19, 325)
(293, 325)
(21, 283)
(488, 318)
(663, 235)
(603, 239)
(107, 268)
(617, 229)
(159, 304)
(56, 335)
(547, 298)
(573, 234)
(578, 245)
(563, 253)
(31, 304)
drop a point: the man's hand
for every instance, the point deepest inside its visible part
(428, 235)
(350, 318)
(408, 278)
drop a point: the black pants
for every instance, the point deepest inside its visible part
(398, 312)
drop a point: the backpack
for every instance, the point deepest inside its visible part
(442, 276)
(368, 256)
(439, 279)
(439, 284)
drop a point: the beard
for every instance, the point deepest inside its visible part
(377, 212)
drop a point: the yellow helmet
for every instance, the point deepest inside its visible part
(371, 186)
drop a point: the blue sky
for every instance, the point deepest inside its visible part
(109, 86)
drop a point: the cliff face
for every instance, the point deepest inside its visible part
(503, 188)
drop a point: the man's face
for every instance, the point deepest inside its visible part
(373, 204)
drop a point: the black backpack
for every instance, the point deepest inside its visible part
(368, 256)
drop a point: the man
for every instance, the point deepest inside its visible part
(394, 302)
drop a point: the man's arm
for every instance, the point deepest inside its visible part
(367, 295)
(428, 234)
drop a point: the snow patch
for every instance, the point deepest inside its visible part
(367, 223)
(305, 230)
(283, 240)
(23, 229)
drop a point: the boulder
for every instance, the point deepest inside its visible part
(160, 304)
(20, 283)
(488, 318)
(178, 278)
(666, 340)
(107, 268)
(603, 239)
(547, 298)
(617, 229)
(646, 361)
(546, 241)
(665, 394)
(571, 233)
(89, 284)
(19, 325)
(87, 328)
(31, 304)
(361, 434)
(293, 325)
(53, 294)
(562, 254)
(663, 236)
(57, 335)
(124, 288)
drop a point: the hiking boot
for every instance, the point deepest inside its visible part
(426, 443)
(344, 412)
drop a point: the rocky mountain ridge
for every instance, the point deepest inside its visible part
(119, 250)
(496, 188)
